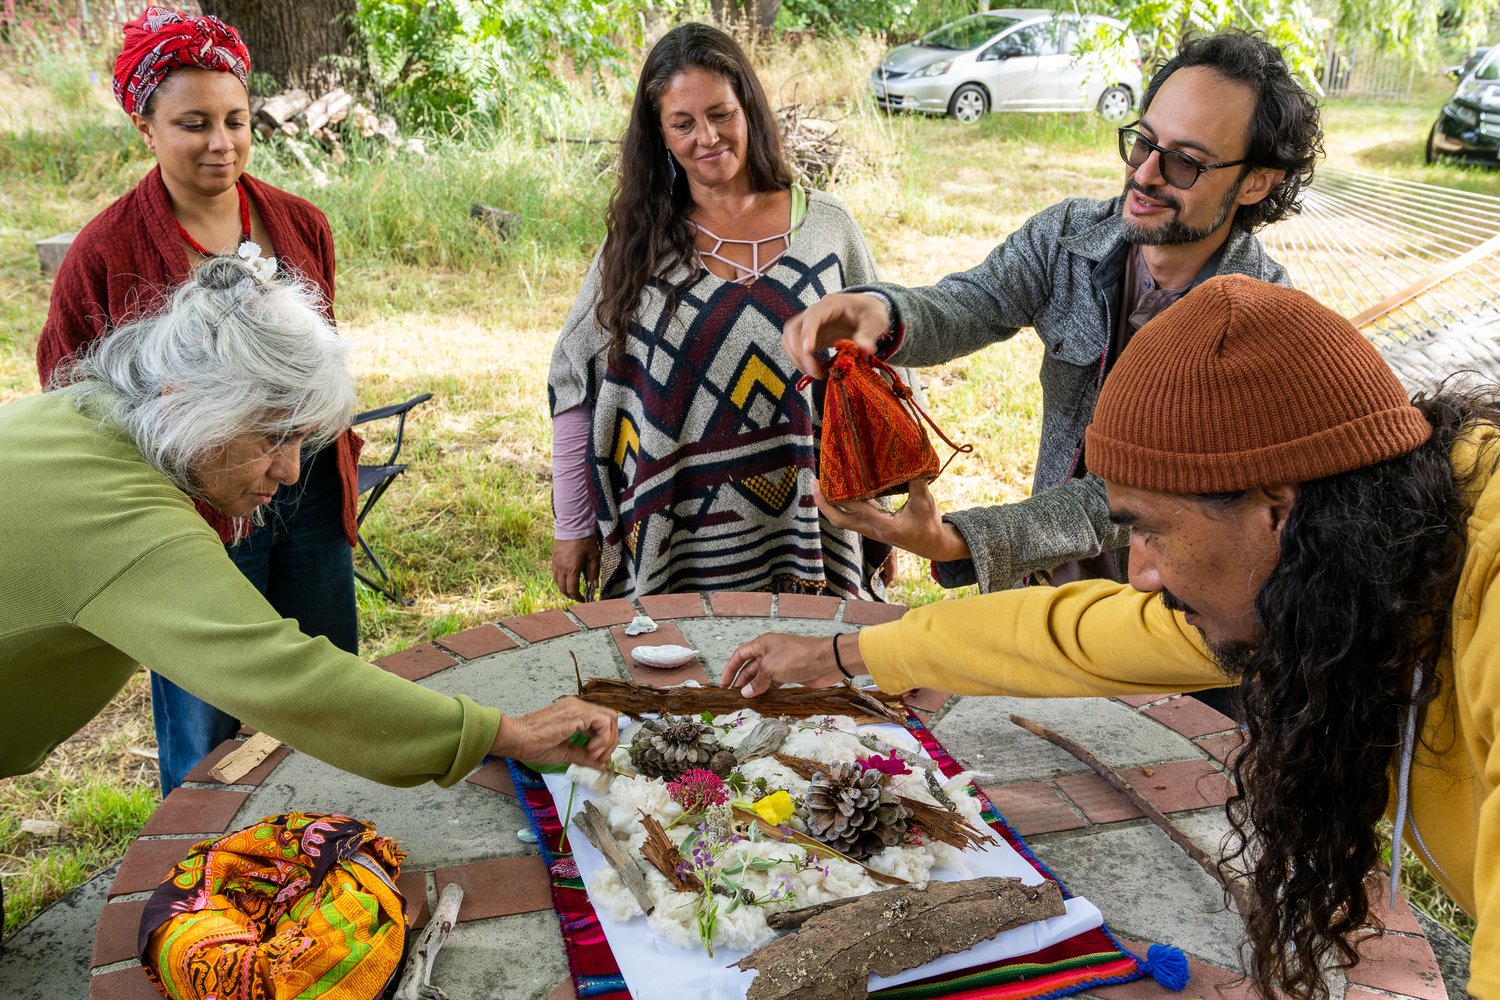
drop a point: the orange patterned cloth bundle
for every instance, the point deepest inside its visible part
(873, 442)
(295, 906)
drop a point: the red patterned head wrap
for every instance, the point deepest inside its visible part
(161, 40)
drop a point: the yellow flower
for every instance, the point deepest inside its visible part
(775, 808)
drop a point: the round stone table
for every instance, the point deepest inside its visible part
(507, 945)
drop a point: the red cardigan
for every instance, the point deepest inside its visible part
(126, 262)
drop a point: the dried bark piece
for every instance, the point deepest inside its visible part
(940, 824)
(797, 703)
(765, 739)
(665, 857)
(833, 954)
(591, 820)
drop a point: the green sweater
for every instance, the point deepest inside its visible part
(105, 564)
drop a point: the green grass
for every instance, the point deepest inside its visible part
(438, 304)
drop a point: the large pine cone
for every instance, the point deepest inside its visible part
(665, 748)
(851, 810)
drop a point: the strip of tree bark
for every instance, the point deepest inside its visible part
(833, 954)
(665, 857)
(1233, 889)
(798, 703)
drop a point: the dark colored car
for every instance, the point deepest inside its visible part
(1469, 125)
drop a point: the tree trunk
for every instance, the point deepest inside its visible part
(313, 44)
(760, 14)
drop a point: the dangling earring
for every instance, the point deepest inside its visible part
(671, 171)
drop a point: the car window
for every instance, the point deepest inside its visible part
(967, 33)
(1489, 69)
(1032, 40)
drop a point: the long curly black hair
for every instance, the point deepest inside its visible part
(646, 232)
(1362, 594)
(1285, 132)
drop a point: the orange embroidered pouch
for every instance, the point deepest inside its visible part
(873, 442)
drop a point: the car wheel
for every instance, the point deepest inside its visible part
(969, 103)
(1432, 153)
(1115, 104)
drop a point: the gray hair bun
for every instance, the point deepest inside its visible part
(223, 273)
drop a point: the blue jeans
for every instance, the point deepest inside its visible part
(301, 561)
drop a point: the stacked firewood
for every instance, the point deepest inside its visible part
(305, 124)
(814, 147)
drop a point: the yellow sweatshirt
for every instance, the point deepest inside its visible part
(1098, 638)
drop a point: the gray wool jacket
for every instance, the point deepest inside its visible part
(1061, 273)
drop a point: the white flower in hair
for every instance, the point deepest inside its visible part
(264, 268)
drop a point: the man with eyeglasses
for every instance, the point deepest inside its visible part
(1225, 144)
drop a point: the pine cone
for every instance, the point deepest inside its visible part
(665, 748)
(851, 809)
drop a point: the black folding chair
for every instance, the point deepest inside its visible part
(374, 480)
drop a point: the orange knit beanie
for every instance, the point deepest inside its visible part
(1243, 383)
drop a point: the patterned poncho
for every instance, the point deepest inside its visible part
(703, 449)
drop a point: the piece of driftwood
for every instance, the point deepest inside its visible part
(243, 759)
(787, 835)
(416, 979)
(665, 857)
(1119, 784)
(798, 703)
(595, 827)
(765, 739)
(833, 954)
(939, 823)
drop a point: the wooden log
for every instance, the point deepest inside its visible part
(595, 827)
(416, 979)
(278, 110)
(1232, 888)
(833, 954)
(331, 107)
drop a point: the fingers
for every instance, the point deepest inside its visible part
(737, 661)
(799, 339)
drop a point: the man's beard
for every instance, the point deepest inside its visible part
(1233, 658)
(1173, 233)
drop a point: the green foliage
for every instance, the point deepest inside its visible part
(892, 17)
(442, 58)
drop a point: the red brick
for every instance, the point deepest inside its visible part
(1180, 785)
(472, 643)
(499, 888)
(1398, 921)
(1099, 802)
(807, 606)
(495, 776)
(195, 810)
(540, 626)
(872, 612)
(1139, 700)
(1398, 964)
(261, 772)
(1033, 807)
(1223, 747)
(1206, 981)
(730, 603)
(413, 888)
(666, 634)
(123, 984)
(416, 662)
(563, 991)
(926, 699)
(117, 932)
(1191, 718)
(601, 614)
(147, 863)
(674, 606)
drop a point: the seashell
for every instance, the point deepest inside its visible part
(663, 657)
(640, 625)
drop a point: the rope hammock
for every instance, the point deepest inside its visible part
(1415, 266)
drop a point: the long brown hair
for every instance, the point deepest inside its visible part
(646, 232)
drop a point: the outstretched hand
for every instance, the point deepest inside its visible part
(547, 736)
(775, 659)
(918, 526)
(841, 316)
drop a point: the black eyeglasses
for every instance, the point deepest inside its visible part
(1177, 169)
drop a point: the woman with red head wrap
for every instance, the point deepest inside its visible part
(183, 82)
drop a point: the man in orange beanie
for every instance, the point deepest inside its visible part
(1302, 529)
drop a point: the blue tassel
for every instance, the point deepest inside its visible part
(1167, 965)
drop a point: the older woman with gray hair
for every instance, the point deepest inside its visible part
(105, 564)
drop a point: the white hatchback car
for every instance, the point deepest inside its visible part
(1012, 60)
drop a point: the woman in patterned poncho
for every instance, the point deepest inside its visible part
(683, 449)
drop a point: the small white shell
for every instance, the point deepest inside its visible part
(640, 625)
(664, 657)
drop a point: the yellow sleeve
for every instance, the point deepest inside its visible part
(1479, 687)
(1087, 638)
